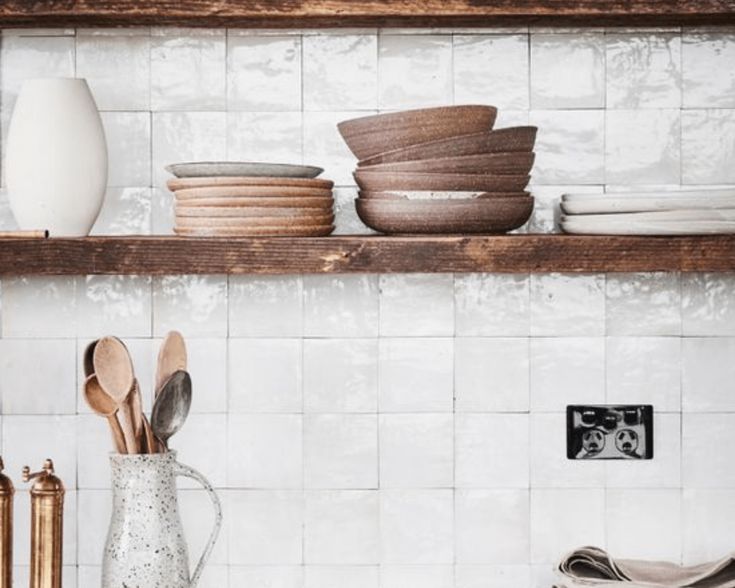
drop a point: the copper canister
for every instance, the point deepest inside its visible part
(6, 529)
(47, 521)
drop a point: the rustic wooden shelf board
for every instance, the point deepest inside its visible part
(354, 13)
(364, 254)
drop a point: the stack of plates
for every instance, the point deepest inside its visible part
(441, 170)
(697, 212)
(251, 199)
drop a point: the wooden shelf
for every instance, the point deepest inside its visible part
(365, 254)
(358, 13)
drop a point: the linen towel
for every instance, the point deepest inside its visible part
(592, 567)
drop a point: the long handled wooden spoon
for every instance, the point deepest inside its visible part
(101, 403)
(136, 411)
(114, 371)
(171, 358)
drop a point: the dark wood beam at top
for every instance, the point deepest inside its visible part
(354, 13)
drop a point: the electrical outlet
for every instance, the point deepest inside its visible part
(610, 431)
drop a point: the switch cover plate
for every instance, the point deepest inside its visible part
(610, 431)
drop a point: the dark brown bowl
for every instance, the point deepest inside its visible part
(371, 135)
(495, 215)
(431, 196)
(374, 181)
(500, 140)
(519, 163)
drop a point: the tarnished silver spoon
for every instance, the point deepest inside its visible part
(171, 406)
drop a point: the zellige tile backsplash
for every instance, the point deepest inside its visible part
(392, 431)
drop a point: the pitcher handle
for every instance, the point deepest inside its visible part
(189, 472)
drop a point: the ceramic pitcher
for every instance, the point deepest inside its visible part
(145, 543)
(56, 159)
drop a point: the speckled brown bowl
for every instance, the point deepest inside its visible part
(248, 211)
(278, 201)
(510, 139)
(275, 231)
(175, 184)
(250, 192)
(371, 135)
(374, 181)
(420, 196)
(497, 215)
(252, 221)
(519, 163)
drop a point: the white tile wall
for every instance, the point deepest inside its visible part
(397, 431)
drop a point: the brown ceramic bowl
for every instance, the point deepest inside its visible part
(519, 163)
(278, 202)
(510, 139)
(496, 215)
(175, 184)
(370, 135)
(373, 181)
(251, 192)
(421, 196)
(274, 231)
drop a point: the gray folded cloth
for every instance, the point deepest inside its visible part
(591, 566)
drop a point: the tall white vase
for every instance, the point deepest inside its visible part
(56, 162)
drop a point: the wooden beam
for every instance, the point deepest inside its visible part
(365, 254)
(358, 13)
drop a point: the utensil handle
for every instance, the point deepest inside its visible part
(117, 433)
(189, 472)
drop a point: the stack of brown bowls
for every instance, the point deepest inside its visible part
(244, 199)
(441, 170)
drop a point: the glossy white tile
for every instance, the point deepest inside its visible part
(643, 70)
(567, 71)
(492, 527)
(39, 306)
(355, 513)
(491, 450)
(259, 576)
(416, 374)
(128, 137)
(340, 375)
(263, 73)
(708, 307)
(706, 372)
(711, 510)
(340, 72)
(415, 71)
(265, 136)
(195, 305)
(339, 576)
(125, 211)
(341, 306)
(708, 69)
(265, 306)
(417, 576)
(480, 576)
(491, 374)
(207, 364)
(704, 463)
(421, 305)
(202, 444)
(416, 450)
(707, 138)
(341, 451)
(188, 71)
(643, 304)
(323, 144)
(265, 375)
(114, 304)
(492, 305)
(642, 146)
(491, 69)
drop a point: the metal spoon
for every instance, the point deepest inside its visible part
(171, 406)
(104, 405)
(171, 358)
(88, 358)
(114, 370)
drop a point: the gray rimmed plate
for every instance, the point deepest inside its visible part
(199, 169)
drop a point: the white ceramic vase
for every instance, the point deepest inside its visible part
(56, 162)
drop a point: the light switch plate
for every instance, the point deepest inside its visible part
(610, 431)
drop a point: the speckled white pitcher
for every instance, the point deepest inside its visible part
(145, 543)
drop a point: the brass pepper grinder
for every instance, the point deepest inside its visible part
(47, 519)
(6, 529)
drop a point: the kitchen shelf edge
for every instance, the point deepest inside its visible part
(543, 253)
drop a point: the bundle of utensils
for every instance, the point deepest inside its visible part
(242, 199)
(112, 391)
(692, 212)
(441, 170)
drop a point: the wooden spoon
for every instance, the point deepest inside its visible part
(171, 358)
(136, 412)
(104, 405)
(114, 371)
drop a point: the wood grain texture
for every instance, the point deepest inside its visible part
(365, 254)
(353, 13)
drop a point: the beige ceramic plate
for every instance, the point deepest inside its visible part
(370, 135)
(250, 192)
(197, 169)
(279, 202)
(246, 211)
(483, 163)
(262, 221)
(500, 140)
(279, 231)
(391, 181)
(184, 183)
(493, 215)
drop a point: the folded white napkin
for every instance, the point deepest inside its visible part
(592, 567)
